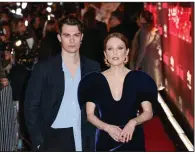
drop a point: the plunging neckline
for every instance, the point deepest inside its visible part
(110, 88)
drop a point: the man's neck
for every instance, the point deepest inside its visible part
(71, 58)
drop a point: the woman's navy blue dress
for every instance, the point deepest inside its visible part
(137, 87)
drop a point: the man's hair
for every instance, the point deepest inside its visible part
(72, 21)
(148, 16)
(117, 14)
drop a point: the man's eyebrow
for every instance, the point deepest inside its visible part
(77, 33)
(70, 34)
(65, 34)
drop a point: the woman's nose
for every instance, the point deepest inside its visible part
(115, 51)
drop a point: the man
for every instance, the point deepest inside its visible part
(3, 79)
(52, 111)
(36, 26)
(116, 24)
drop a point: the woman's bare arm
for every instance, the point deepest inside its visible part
(112, 130)
(127, 133)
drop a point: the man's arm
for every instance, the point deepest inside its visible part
(32, 105)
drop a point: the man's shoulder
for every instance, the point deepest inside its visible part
(49, 62)
(89, 64)
(90, 61)
(101, 23)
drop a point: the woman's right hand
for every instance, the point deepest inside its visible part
(113, 131)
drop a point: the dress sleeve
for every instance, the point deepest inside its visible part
(87, 89)
(147, 89)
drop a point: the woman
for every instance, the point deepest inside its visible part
(50, 45)
(134, 49)
(118, 93)
(149, 44)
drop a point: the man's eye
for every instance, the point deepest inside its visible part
(77, 35)
(65, 35)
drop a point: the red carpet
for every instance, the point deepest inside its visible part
(156, 138)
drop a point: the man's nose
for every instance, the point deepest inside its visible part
(71, 39)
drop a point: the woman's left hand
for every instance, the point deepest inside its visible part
(127, 132)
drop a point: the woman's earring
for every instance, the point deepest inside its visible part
(106, 62)
(126, 60)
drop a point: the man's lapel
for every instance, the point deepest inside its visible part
(58, 76)
(84, 69)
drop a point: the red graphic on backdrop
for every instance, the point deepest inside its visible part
(180, 23)
(190, 118)
(164, 5)
(189, 80)
(177, 53)
(166, 59)
(172, 63)
(165, 30)
(180, 72)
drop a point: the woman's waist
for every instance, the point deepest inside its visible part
(138, 129)
(104, 140)
(118, 122)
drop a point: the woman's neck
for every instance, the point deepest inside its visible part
(118, 70)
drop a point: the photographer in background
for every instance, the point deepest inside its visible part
(8, 109)
(25, 45)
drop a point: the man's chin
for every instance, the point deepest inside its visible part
(72, 51)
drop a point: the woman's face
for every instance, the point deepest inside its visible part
(142, 20)
(7, 55)
(138, 22)
(116, 51)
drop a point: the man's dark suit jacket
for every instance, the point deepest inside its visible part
(44, 95)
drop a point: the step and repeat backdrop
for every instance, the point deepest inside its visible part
(176, 25)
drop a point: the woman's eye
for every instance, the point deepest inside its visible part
(120, 48)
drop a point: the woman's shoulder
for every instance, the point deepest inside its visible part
(90, 78)
(146, 81)
(91, 75)
(141, 76)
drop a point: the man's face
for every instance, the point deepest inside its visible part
(113, 21)
(4, 17)
(70, 38)
(7, 55)
(37, 21)
(8, 32)
(21, 28)
(138, 22)
(142, 20)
